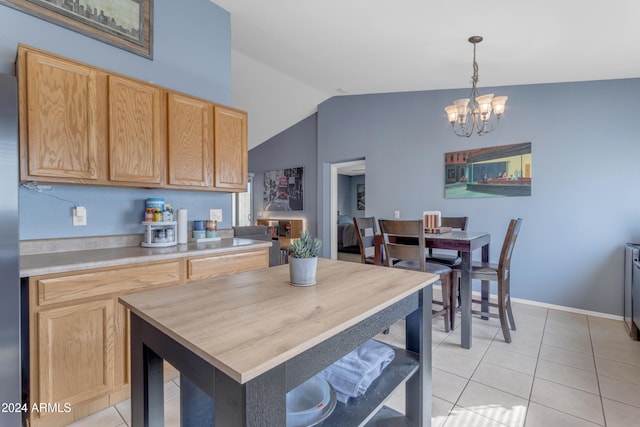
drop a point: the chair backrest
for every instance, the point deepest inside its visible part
(507, 247)
(367, 229)
(455, 222)
(403, 240)
(459, 222)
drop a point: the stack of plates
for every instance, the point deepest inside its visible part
(310, 403)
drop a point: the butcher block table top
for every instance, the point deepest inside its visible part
(248, 323)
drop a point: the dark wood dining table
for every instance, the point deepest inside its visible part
(465, 242)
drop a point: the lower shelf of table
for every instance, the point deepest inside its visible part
(363, 410)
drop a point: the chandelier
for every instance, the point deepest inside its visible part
(473, 114)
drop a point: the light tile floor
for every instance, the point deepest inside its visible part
(561, 369)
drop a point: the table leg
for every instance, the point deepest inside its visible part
(259, 402)
(465, 300)
(485, 285)
(197, 408)
(147, 386)
(418, 339)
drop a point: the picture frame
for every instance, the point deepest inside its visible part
(499, 171)
(284, 190)
(126, 24)
(360, 197)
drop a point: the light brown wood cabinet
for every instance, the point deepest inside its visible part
(84, 125)
(79, 332)
(61, 129)
(79, 336)
(136, 135)
(190, 141)
(210, 266)
(231, 151)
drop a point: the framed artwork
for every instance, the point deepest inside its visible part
(501, 171)
(283, 190)
(126, 24)
(360, 199)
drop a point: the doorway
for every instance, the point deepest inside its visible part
(352, 168)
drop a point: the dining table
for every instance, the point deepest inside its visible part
(241, 342)
(464, 242)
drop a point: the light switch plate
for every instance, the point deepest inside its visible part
(396, 214)
(79, 216)
(215, 215)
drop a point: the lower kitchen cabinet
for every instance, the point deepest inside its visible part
(79, 337)
(79, 332)
(207, 267)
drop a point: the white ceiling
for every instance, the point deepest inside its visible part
(288, 56)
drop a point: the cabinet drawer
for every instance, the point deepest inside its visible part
(223, 265)
(92, 284)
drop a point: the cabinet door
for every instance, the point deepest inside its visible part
(136, 141)
(59, 118)
(76, 352)
(231, 151)
(190, 141)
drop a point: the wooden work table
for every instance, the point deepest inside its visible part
(247, 339)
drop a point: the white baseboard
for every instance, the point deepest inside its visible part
(554, 307)
(569, 309)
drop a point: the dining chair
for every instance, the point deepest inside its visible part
(367, 229)
(501, 274)
(450, 259)
(445, 256)
(404, 246)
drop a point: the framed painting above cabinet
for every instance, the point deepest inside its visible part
(126, 24)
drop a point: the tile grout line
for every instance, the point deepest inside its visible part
(595, 365)
(546, 317)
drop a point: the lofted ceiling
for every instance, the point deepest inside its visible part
(288, 56)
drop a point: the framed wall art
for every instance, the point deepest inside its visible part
(126, 24)
(501, 171)
(283, 190)
(360, 197)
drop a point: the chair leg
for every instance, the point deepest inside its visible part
(502, 310)
(446, 291)
(512, 321)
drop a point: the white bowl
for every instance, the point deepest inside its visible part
(306, 402)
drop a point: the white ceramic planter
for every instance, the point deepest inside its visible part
(302, 271)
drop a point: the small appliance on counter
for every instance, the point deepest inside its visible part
(160, 225)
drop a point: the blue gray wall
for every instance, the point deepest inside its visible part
(192, 54)
(344, 195)
(292, 148)
(585, 200)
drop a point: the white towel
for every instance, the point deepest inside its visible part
(352, 375)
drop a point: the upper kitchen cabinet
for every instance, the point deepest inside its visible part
(136, 134)
(190, 141)
(231, 150)
(61, 137)
(83, 125)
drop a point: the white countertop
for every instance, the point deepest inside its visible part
(62, 262)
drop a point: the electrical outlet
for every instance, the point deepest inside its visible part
(396, 214)
(79, 216)
(215, 215)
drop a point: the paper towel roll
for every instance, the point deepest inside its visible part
(182, 227)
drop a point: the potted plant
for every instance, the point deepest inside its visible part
(303, 259)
